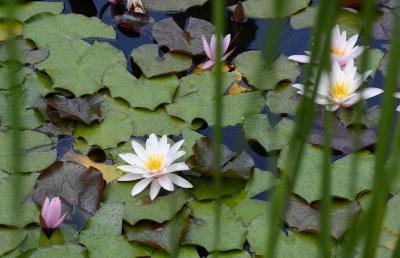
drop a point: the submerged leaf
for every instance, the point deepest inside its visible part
(167, 33)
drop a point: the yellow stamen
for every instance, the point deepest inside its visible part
(340, 90)
(338, 52)
(154, 162)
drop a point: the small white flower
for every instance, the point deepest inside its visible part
(154, 164)
(342, 50)
(339, 88)
(397, 95)
(135, 6)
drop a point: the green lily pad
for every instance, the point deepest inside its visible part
(195, 100)
(391, 225)
(370, 117)
(205, 189)
(102, 236)
(152, 64)
(184, 252)
(232, 231)
(190, 138)
(232, 254)
(160, 210)
(283, 100)
(375, 57)
(346, 183)
(65, 27)
(143, 93)
(79, 67)
(249, 209)
(27, 10)
(28, 53)
(272, 138)
(12, 204)
(10, 239)
(171, 5)
(38, 151)
(253, 67)
(65, 251)
(116, 118)
(265, 9)
(120, 192)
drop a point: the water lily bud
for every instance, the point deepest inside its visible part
(51, 217)
(239, 14)
(116, 1)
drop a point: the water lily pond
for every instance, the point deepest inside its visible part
(107, 128)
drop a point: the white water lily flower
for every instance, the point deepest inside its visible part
(154, 164)
(211, 50)
(135, 6)
(339, 88)
(342, 50)
(397, 95)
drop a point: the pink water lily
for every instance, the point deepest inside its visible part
(211, 50)
(397, 95)
(342, 50)
(51, 217)
(116, 1)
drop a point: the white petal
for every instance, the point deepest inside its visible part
(356, 52)
(177, 146)
(226, 42)
(300, 88)
(300, 58)
(370, 92)
(332, 107)
(181, 166)
(206, 47)
(213, 46)
(166, 183)
(322, 100)
(132, 169)
(140, 186)
(398, 108)
(139, 150)
(351, 42)
(130, 177)
(152, 144)
(132, 159)
(352, 100)
(154, 189)
(180, 181)
(163, 146)
(397, 95)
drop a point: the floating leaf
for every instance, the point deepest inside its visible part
(232, 231)
(160, 210)
(265, 9)
(120, 192)
(27, 10)
(195, 99)
(10, 239)
(65, 251)
(249, 209)
(205, 189)
(37, 151)
(171, 5)
(370, 116)
(232, 254)
(65, 27)
(253, 67)
(347, 182)
(152, 64)
(143, 93)
(184, 252)
(79, 67)
(272, 138)
(384, 23)
(79, 189)
(283, 100)
(110, 172)
(12, 203)
(375, 57)
(232, 165)
(165, 237)
(168, 33)
(390, 229)
(190, 138)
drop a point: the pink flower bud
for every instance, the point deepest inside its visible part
(51, 214)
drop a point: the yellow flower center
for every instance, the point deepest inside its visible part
(338, 52)
(154, 162)
(340, 90)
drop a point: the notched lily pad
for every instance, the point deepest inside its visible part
(188, 41)
(27, 10)
(28, 53)
(370, 117)
(79, 189)
(283, 100)
(10, 239)
(232, 164)
(152, 64)
(171, 5)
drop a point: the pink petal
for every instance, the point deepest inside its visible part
(54, 212)
(60, 221)
(207, 65)
(227, 41)
(45, 207)
(206, 47)
(213, 47)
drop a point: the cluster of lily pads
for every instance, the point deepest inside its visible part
(76, 201)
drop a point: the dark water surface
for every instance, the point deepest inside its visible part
(252, 36)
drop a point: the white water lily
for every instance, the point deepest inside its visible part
(135, 6)
(342, 50)
(154, 164)
(339, 88)
(397, 95)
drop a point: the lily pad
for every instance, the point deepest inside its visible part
(65, 27)
(370, 118)
(375, 57)
(202, 231)
(272, 138)
(37, 151)
(171, 5)
(205, 189)
(265, 9)
(65, 251)
(28, 53)
(253, 67)
(79, 189)
(232, 254)
(188, 41)
(79, 67)
(143, 93)
(283, 100)
(120, 192)
(195, 100)
(346, 183)
(10, 239)
(390, 227)
(160, 210)
(27, 10)
(152, 64)
(249, 209)
(183, 252)
(12, 204)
